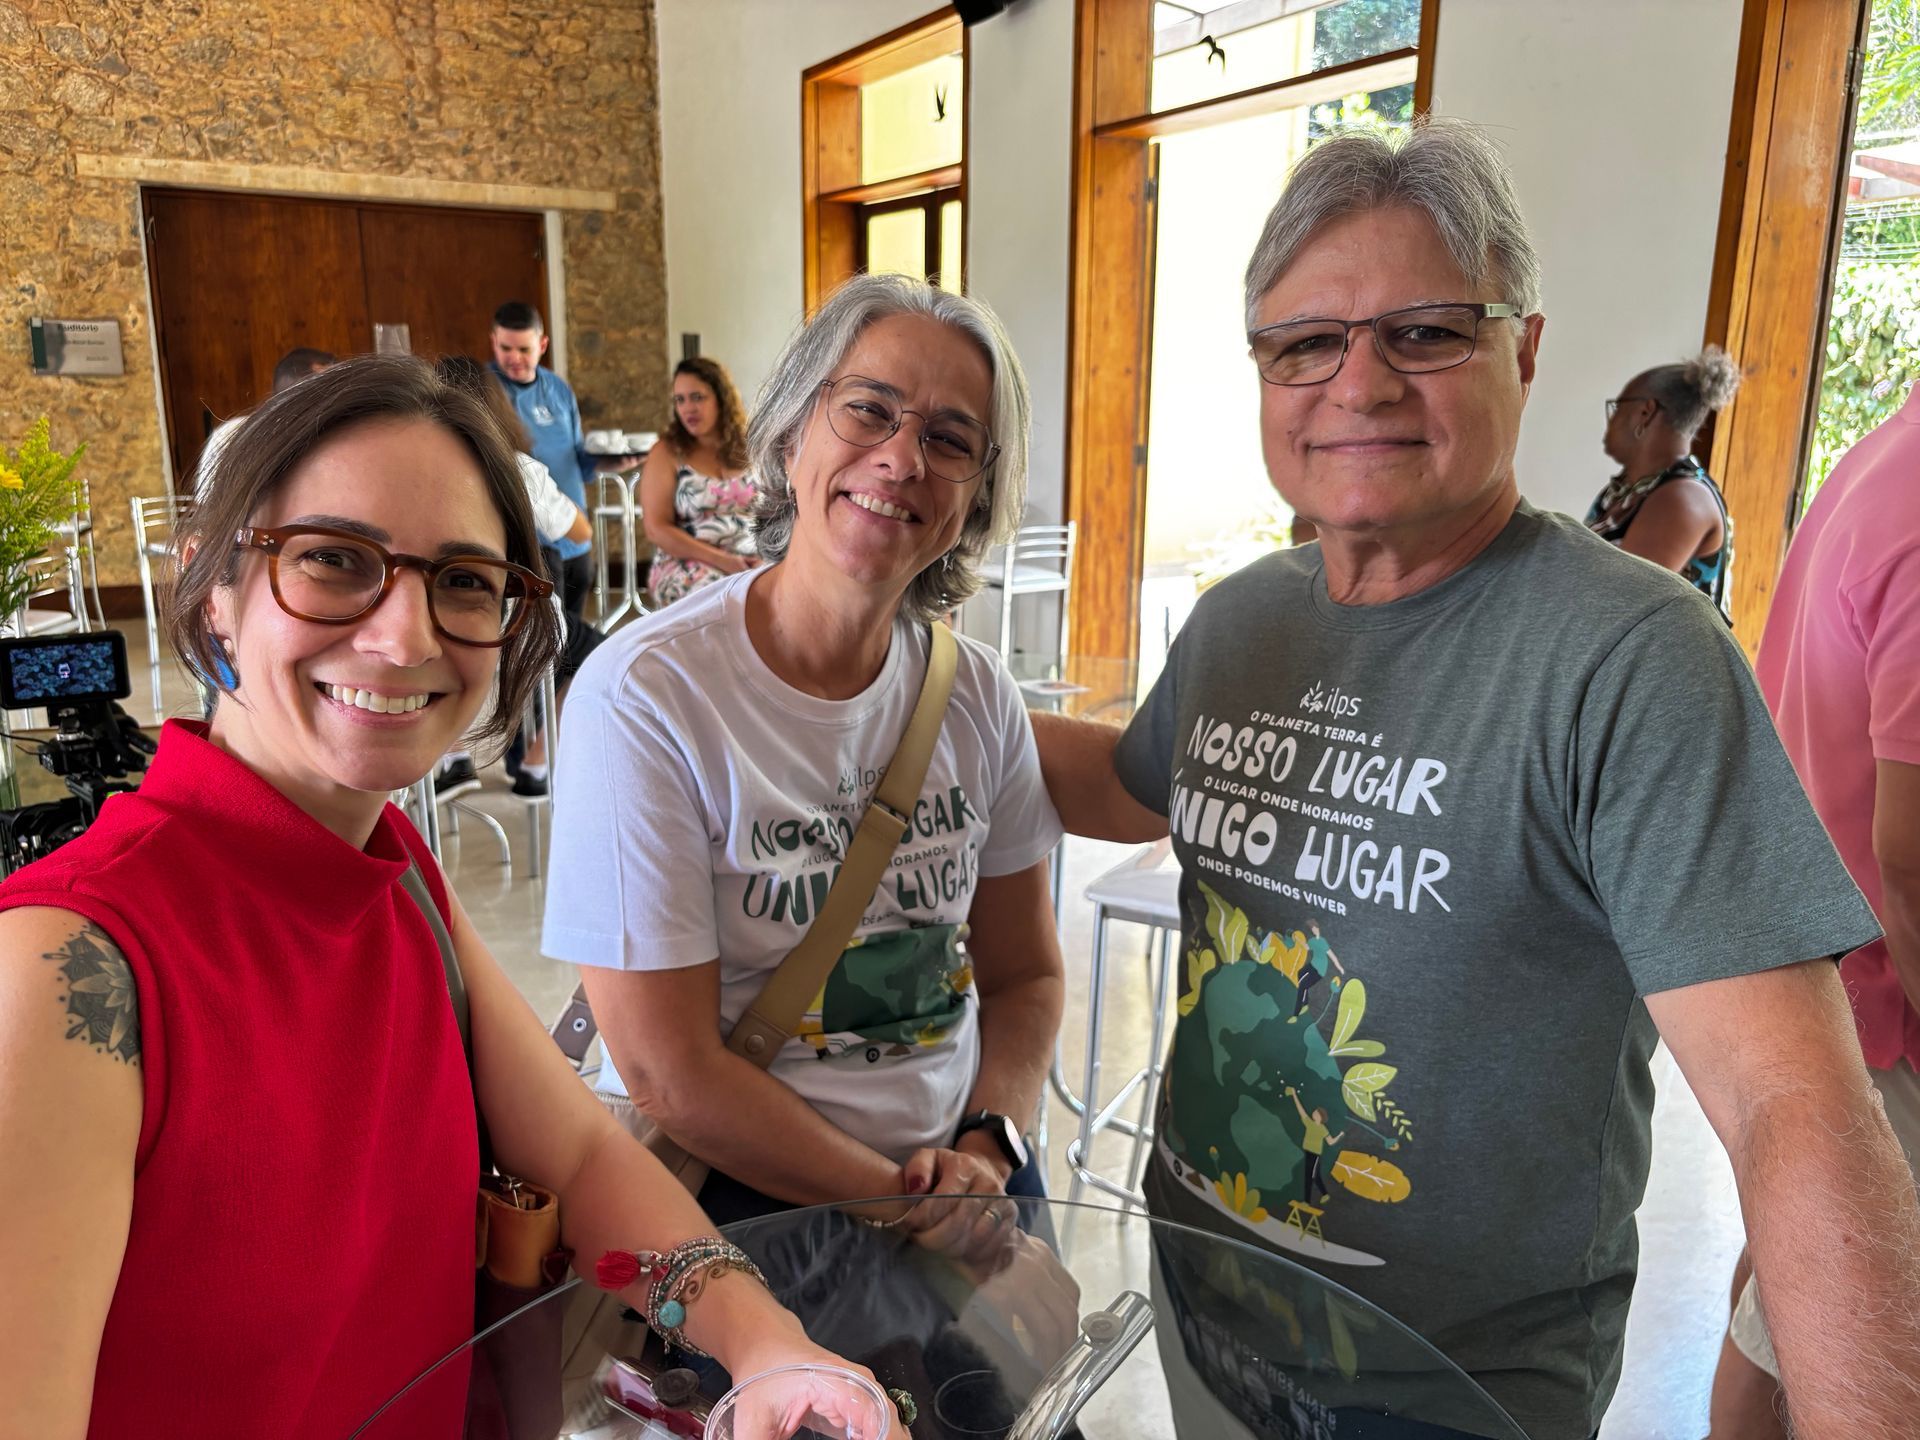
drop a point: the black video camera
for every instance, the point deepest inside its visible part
(95, 743)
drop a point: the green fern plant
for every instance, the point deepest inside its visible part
(37, 492)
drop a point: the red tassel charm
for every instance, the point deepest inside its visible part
(618, 1269)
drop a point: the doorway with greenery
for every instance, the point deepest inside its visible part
(1872, 356)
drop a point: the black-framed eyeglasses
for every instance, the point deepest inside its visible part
(1414, 341)
(333, 577)
(1613, 406)
(867, 412)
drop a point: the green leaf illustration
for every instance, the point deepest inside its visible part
(1236, 936)
(1227, 924)
(1216, 918)
(1353, 1005)
(1359, 1084)
(1199, 963)
(1365, 1049)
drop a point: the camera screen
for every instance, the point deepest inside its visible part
(65, 667)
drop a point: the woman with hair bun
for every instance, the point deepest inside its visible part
(1663, 506)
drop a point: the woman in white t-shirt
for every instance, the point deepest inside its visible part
(720, 752)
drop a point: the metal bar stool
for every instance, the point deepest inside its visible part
(1142, 890)
(155, 519)
(1038, 561)
(83, 567)
(537, 805)
(457, 808)
(620, 510)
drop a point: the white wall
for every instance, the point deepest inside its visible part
(1019, 178)
(1614, 117)
(730, 162)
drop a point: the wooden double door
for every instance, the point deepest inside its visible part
(239, 280)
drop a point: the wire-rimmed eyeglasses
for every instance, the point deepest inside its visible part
(1413, 341)
(867, 412)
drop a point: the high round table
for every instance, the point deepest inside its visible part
(1147, 1330)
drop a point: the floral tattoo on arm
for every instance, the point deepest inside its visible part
(103, 1009)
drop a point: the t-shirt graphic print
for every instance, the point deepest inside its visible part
(891, 994)
(1271, 1035)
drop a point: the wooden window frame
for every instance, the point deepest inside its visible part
(929, 203)
(834, 199)
(1782, 208)
(1110, 327)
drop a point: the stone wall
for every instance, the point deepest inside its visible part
(550, 93)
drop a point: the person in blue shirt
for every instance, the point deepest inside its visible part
(547, 408)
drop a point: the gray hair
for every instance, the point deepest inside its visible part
(1447, 169)
(816, 350)
(1693, 389)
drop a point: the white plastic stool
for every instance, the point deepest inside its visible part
(1142, 890)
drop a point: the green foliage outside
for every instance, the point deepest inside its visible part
(1353, 30)
(1872, 360)
(1873, 331)
(1890, 80)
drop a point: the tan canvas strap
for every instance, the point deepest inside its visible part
(772, 1018)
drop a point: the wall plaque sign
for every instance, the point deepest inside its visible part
(76, 347)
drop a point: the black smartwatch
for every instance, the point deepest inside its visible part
(1005, 1134)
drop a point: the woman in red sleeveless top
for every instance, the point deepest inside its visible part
(236, 1122)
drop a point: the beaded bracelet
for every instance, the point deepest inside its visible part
(675, 1278)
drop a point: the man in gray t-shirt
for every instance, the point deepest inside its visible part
(1471, 809)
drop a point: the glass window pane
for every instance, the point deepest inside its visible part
(950, 231)
(1203, 407)
(897, 243)
(1189, 68)
(1872, 355)
(912, 121)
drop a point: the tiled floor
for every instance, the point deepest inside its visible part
(1689, 1225)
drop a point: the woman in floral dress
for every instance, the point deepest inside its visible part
(696, 497)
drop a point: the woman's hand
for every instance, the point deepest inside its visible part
(941, 1222)
(778, 1409)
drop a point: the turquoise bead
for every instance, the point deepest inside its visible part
(672, 1314)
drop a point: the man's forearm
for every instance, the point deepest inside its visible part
(1076, 759)
(1835, 1232)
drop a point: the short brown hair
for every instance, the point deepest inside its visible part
(730, 432)
(282, 433)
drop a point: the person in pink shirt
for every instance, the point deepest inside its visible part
(1839, 665)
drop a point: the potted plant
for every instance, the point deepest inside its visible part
(37, 492)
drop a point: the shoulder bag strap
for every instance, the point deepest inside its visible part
(772, 1018)
(415, 884)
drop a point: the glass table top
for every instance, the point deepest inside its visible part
(1085, 1321)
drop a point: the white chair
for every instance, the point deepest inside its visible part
(548, 706)
(1141, 890)
(155, 519)
(436, 827)
(50, 575)
(1038, 562)
(83, 570)
(607, 512)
